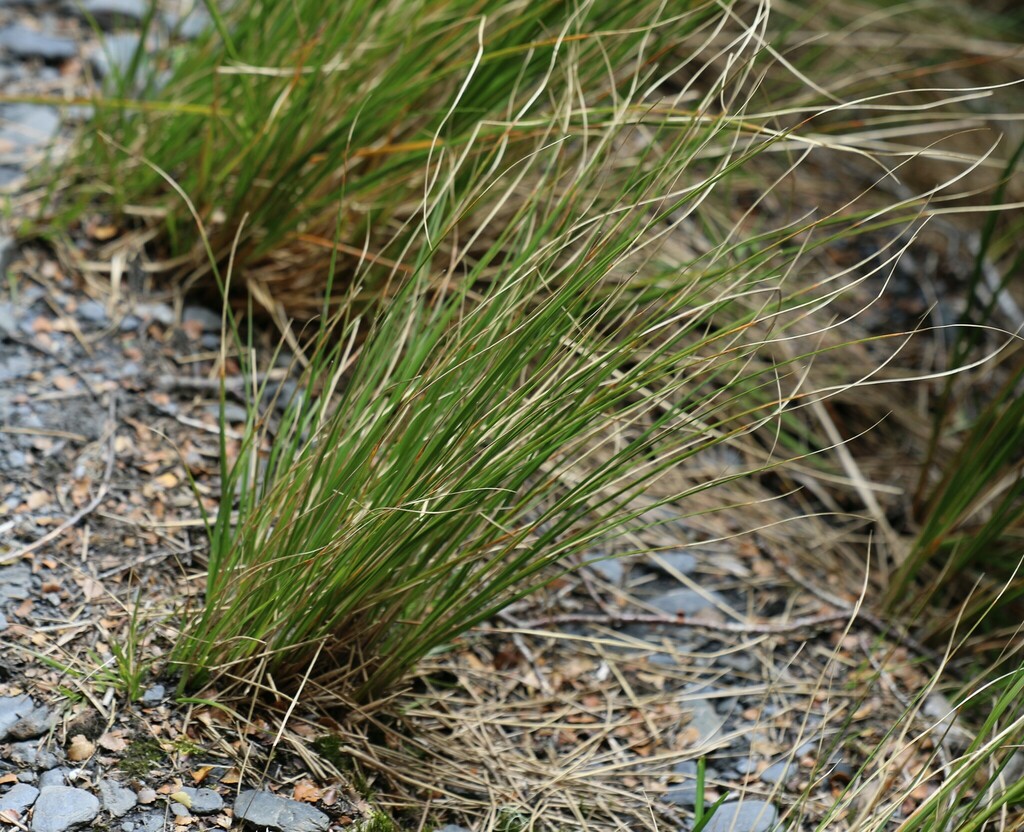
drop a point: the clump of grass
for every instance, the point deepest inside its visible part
(541, 364)
(271, 116)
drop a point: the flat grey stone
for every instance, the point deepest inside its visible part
(115, 54)
(12, 708)
(684, 793)
(150, 822)
(683, 601)
(268, 810)
(15, 585)
(3, 618)
(204, 801)
(612, 570)
(747, 816)
(154, 695)
(31, 755)
(452, 827)
(209, 319)
(159, 312)
(92, 311)
(777, 773)
(28, 125)
(197, 22)
(33, 724)
(677, 559)
(19, 798)
(745, 766)
(63, 807)
(23, 42)
(111, 13)
(705, 719)
(53, 777)
(116, 799)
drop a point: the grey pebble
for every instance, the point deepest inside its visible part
(3, 618)
(8, 318)
(116, 799)
(204, 801)
(18, 798)
(154, 695)
(266, 809)
(15, 583)
(612, 570)
(110, 13)
(705, 719)
(191, 26)
(747, 816)
(114, 55)
(180, 811)
(147, 822)
(24, 42)
(159, 312)
(63, 807)
(745, 766)
(452, 827)
(30, 754)
(27, 125)
(92, 311)
(683, 794)
(33, 724)
(12, 708)
(53, 777)
(677, 559)
(207, 318)
(683, 601)
(777, 773)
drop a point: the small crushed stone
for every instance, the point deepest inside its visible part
(63, 807)
(269, 810)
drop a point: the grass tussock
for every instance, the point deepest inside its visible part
(620, 257)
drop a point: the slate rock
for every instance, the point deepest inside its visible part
(63, 807)
(15, 584)
(683, 601)
(115, 54)
(705, 720)
(207, 318)
(684, 793)
(111, 13)
(611, 570)
(748, 816)
(92, 311)
(19, 798)
(12, 708)
(53, 777)
(28, 125)
(745, 766)
(204, 801)
(3, 618)
(264, 809)
(452, 827)
(154, 695)
(23, 42)
(148, 822)
(778, 773)
(31, 755)
(197, 22)
(677, 559)
(116, 799)
(33, 724)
